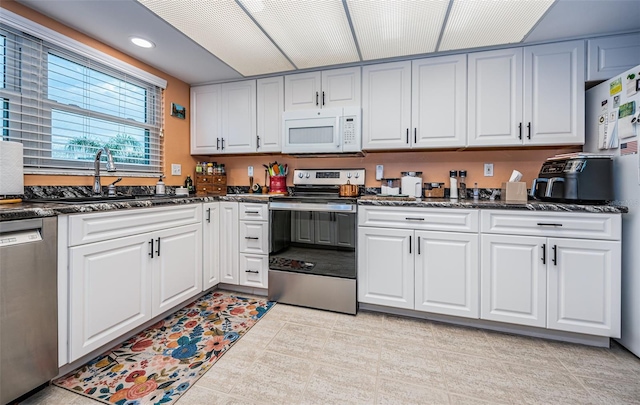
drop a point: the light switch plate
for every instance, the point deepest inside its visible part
(250, 171)
(488, 170)
(379, 172)
(176, 169)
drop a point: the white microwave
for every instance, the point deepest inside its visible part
(330, 130)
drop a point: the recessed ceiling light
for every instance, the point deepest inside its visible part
(141, 42)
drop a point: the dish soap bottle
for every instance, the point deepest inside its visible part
(160, 186)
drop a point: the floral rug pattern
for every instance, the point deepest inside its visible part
(159, 364)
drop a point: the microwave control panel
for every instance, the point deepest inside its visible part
(349, 130)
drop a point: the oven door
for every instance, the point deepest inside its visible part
(313, 238)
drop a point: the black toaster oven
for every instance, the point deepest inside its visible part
(578, 180)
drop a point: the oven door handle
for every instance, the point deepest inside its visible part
(293, 206)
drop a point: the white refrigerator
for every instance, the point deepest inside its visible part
(612, 127)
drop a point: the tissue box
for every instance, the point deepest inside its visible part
(514, 192)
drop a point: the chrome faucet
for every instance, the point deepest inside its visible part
(111, 167)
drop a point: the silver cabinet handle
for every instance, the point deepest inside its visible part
(555, 255)
(158, 249)
(414, 219)
(252, 271)
(252, 212)
(217, 143)
(151, 244)
(410, 243)
(209, 215)
(251, 237)
(548, 224)
(257, 141)
(222, 143)
(418, 245)
(544, 253)
(316, 98)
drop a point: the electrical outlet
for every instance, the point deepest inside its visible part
(250, 171)
(379, 171)
(488, 170)
(176, 169)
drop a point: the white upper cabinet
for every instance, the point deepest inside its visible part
(270, 99)
(386, 105)
(495, 98)
(530, 96)
(610, 56)
(326, 89)
(205, 119)
(238, 117)
(554, 94)
(439, 102)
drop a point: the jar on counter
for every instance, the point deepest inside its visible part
(209, 168)
(390, 186)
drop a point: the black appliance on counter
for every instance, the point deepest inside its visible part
(577, 179)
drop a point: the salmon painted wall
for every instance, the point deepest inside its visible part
(176, 139)
(434, 165)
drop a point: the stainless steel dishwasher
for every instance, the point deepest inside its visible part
(28, 305)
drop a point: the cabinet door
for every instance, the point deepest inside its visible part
(446, 273)
(177, 267)
(610, 56)
(254, 270)
(554, 94)
(324, 228)
(109, 291)
(439, 102)
(206, 128)
(341, 87)
(513, 280)
(584, 286)
(229, 242)
(239, 117)
(302, 227)
(345, 229)
(211, 245)
(386, 105)
(302, 91)
(270, 99)
(385, 267)
(495, 98)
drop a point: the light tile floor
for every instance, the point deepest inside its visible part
(303, 356)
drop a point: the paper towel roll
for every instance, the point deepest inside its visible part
(11, 171)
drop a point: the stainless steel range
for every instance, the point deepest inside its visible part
(312, 257)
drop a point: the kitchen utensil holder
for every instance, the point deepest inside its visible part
(278, 185)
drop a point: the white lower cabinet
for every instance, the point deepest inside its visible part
(514, 280)
(431, 271)
(229, 242)
(385, 267)
(211, 245)
(254, 270)
(561, 283)
(446, 273)
(125, 277)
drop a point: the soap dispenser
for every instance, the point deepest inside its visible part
(160, 186)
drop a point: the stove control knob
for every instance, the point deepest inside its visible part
(300, 174)
(357, 175)
(348, 175)
(306, 175)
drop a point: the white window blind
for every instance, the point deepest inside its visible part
(64, 107)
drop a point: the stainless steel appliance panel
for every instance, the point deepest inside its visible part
(329, 293)
(28, 306)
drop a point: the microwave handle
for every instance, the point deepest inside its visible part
(535, 183)
(552, 181)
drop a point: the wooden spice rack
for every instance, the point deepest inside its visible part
(210, 184)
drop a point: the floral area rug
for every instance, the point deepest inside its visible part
(159, 364)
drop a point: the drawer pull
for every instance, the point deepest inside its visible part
(158, 249)
(251, 237)
(410, 243)
(414, 219)
(151, 252)
(548, 224)
(544, 253)
(252, 271)
(555, 255)
(252, 212)
(209, 215)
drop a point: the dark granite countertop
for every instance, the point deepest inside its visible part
(29, 209)
(497, 204)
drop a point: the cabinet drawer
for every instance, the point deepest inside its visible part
(561, 224)
(254, 270)
(253, 237)
(95, 227)
(211, 189)
(254, 212)
(435, 219)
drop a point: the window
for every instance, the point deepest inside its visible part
(64, 106)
